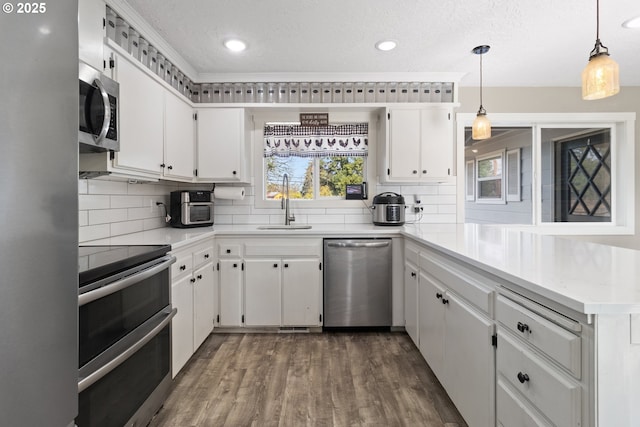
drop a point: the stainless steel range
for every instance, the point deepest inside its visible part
(124, 334)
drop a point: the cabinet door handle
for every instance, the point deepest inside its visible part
(286, 266)
(415, 172)
(192, 280)
(438, 295)
(413, 274)
(206, 256)
(162, 165)
(169, 167)
(228, 251)
(445, 301)
(523, 327)
(183, 267)
(234, 172)
(523, 378)
(275, 265)
(235, 265)
(199, 276)
(424, 171)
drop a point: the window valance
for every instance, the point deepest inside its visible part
(322, 141)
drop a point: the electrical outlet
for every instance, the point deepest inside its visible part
(417, 209)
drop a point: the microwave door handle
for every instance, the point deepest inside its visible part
(107, 112)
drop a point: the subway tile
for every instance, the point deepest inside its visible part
(126, 227)
(325, 219)
(93, 232)
(97, 186)
(92, 201)
(143, 213)
(251, 219)
(127, 201)
(446, 209)
(446, 189)
(153, 223)
(419, 189)
(446, 199)
(357, 219)
(344, 211)
(83, 218)
(232, 210)
(222, 219)
(105, 216)
(83, 186)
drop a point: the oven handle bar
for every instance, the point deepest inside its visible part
(126, 282)
(89, 380)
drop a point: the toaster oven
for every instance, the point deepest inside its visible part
(191, 209)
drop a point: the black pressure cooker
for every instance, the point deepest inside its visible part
(388, 209)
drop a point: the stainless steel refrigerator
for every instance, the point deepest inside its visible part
(38, 213)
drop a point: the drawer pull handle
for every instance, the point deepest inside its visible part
(445, 301)
(228, 251)
(199, 276)
(206, 256)
(438, 295)
(235, 265)
(275, 265)
(192, 280)
(183, 267)
(523, 327)
(523, 378)
(413, 274)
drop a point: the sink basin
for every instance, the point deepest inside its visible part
(284, 227)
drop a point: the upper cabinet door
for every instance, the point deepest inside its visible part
(141, 120)
(404, 144)
(91, 15)
(178, 139)
(436, 143)
(221, 145)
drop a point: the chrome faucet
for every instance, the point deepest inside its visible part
(285, 200)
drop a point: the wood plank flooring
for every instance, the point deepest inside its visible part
(297, 379)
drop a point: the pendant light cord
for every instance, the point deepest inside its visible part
(481, 82)
(597, 19)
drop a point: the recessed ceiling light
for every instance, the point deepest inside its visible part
(235, 45)
(385, 45)
(632, 23)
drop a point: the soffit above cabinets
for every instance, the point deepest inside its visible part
(541, 43)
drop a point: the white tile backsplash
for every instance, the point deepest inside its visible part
(111, 207)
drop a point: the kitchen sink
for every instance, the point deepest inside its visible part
(284, 227)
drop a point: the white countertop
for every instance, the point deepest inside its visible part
(586, 277)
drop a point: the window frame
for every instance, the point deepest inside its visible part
(622, 127)
(470, 180)
(270, 115)
(517, 196)
(490, 200)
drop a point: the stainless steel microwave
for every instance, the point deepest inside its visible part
(98, 111)
(191, 209)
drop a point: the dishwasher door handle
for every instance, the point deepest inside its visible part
(358, 244)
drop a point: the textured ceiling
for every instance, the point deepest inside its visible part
(533, 42)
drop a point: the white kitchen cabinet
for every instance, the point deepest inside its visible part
(419, 145)
(301, 291)
(431, 323)
(192, 293)
(262, 292)
(411, 301)
(230, 285)
(91, 32)
(223, 144)
(141, 115)
(179, 141)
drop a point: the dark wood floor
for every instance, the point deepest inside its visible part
(328, 379)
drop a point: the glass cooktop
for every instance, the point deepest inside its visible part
(98, 262)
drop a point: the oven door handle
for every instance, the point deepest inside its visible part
(358, 245)
(89, 380)
(126, 282)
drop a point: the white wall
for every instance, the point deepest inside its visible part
(562, 100)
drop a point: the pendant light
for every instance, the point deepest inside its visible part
(600, 78)
(481, 128)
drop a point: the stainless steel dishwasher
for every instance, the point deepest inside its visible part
(357, 283)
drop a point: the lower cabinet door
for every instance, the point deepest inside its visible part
(230, 283)
(182, 323)
(431, 323)
(301, 292)
(512, 411)
(411, 302)
(262, 292)
(202, 304)
(469, 376)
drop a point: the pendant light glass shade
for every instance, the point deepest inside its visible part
(601, 76)
(481, 128)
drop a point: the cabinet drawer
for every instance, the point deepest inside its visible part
(229, 250)
(411, 254)
(202, 256)
(184, 263)
(512, 411)
(553, 393)
(558, 343)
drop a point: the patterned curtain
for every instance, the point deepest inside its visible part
(322, 141)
